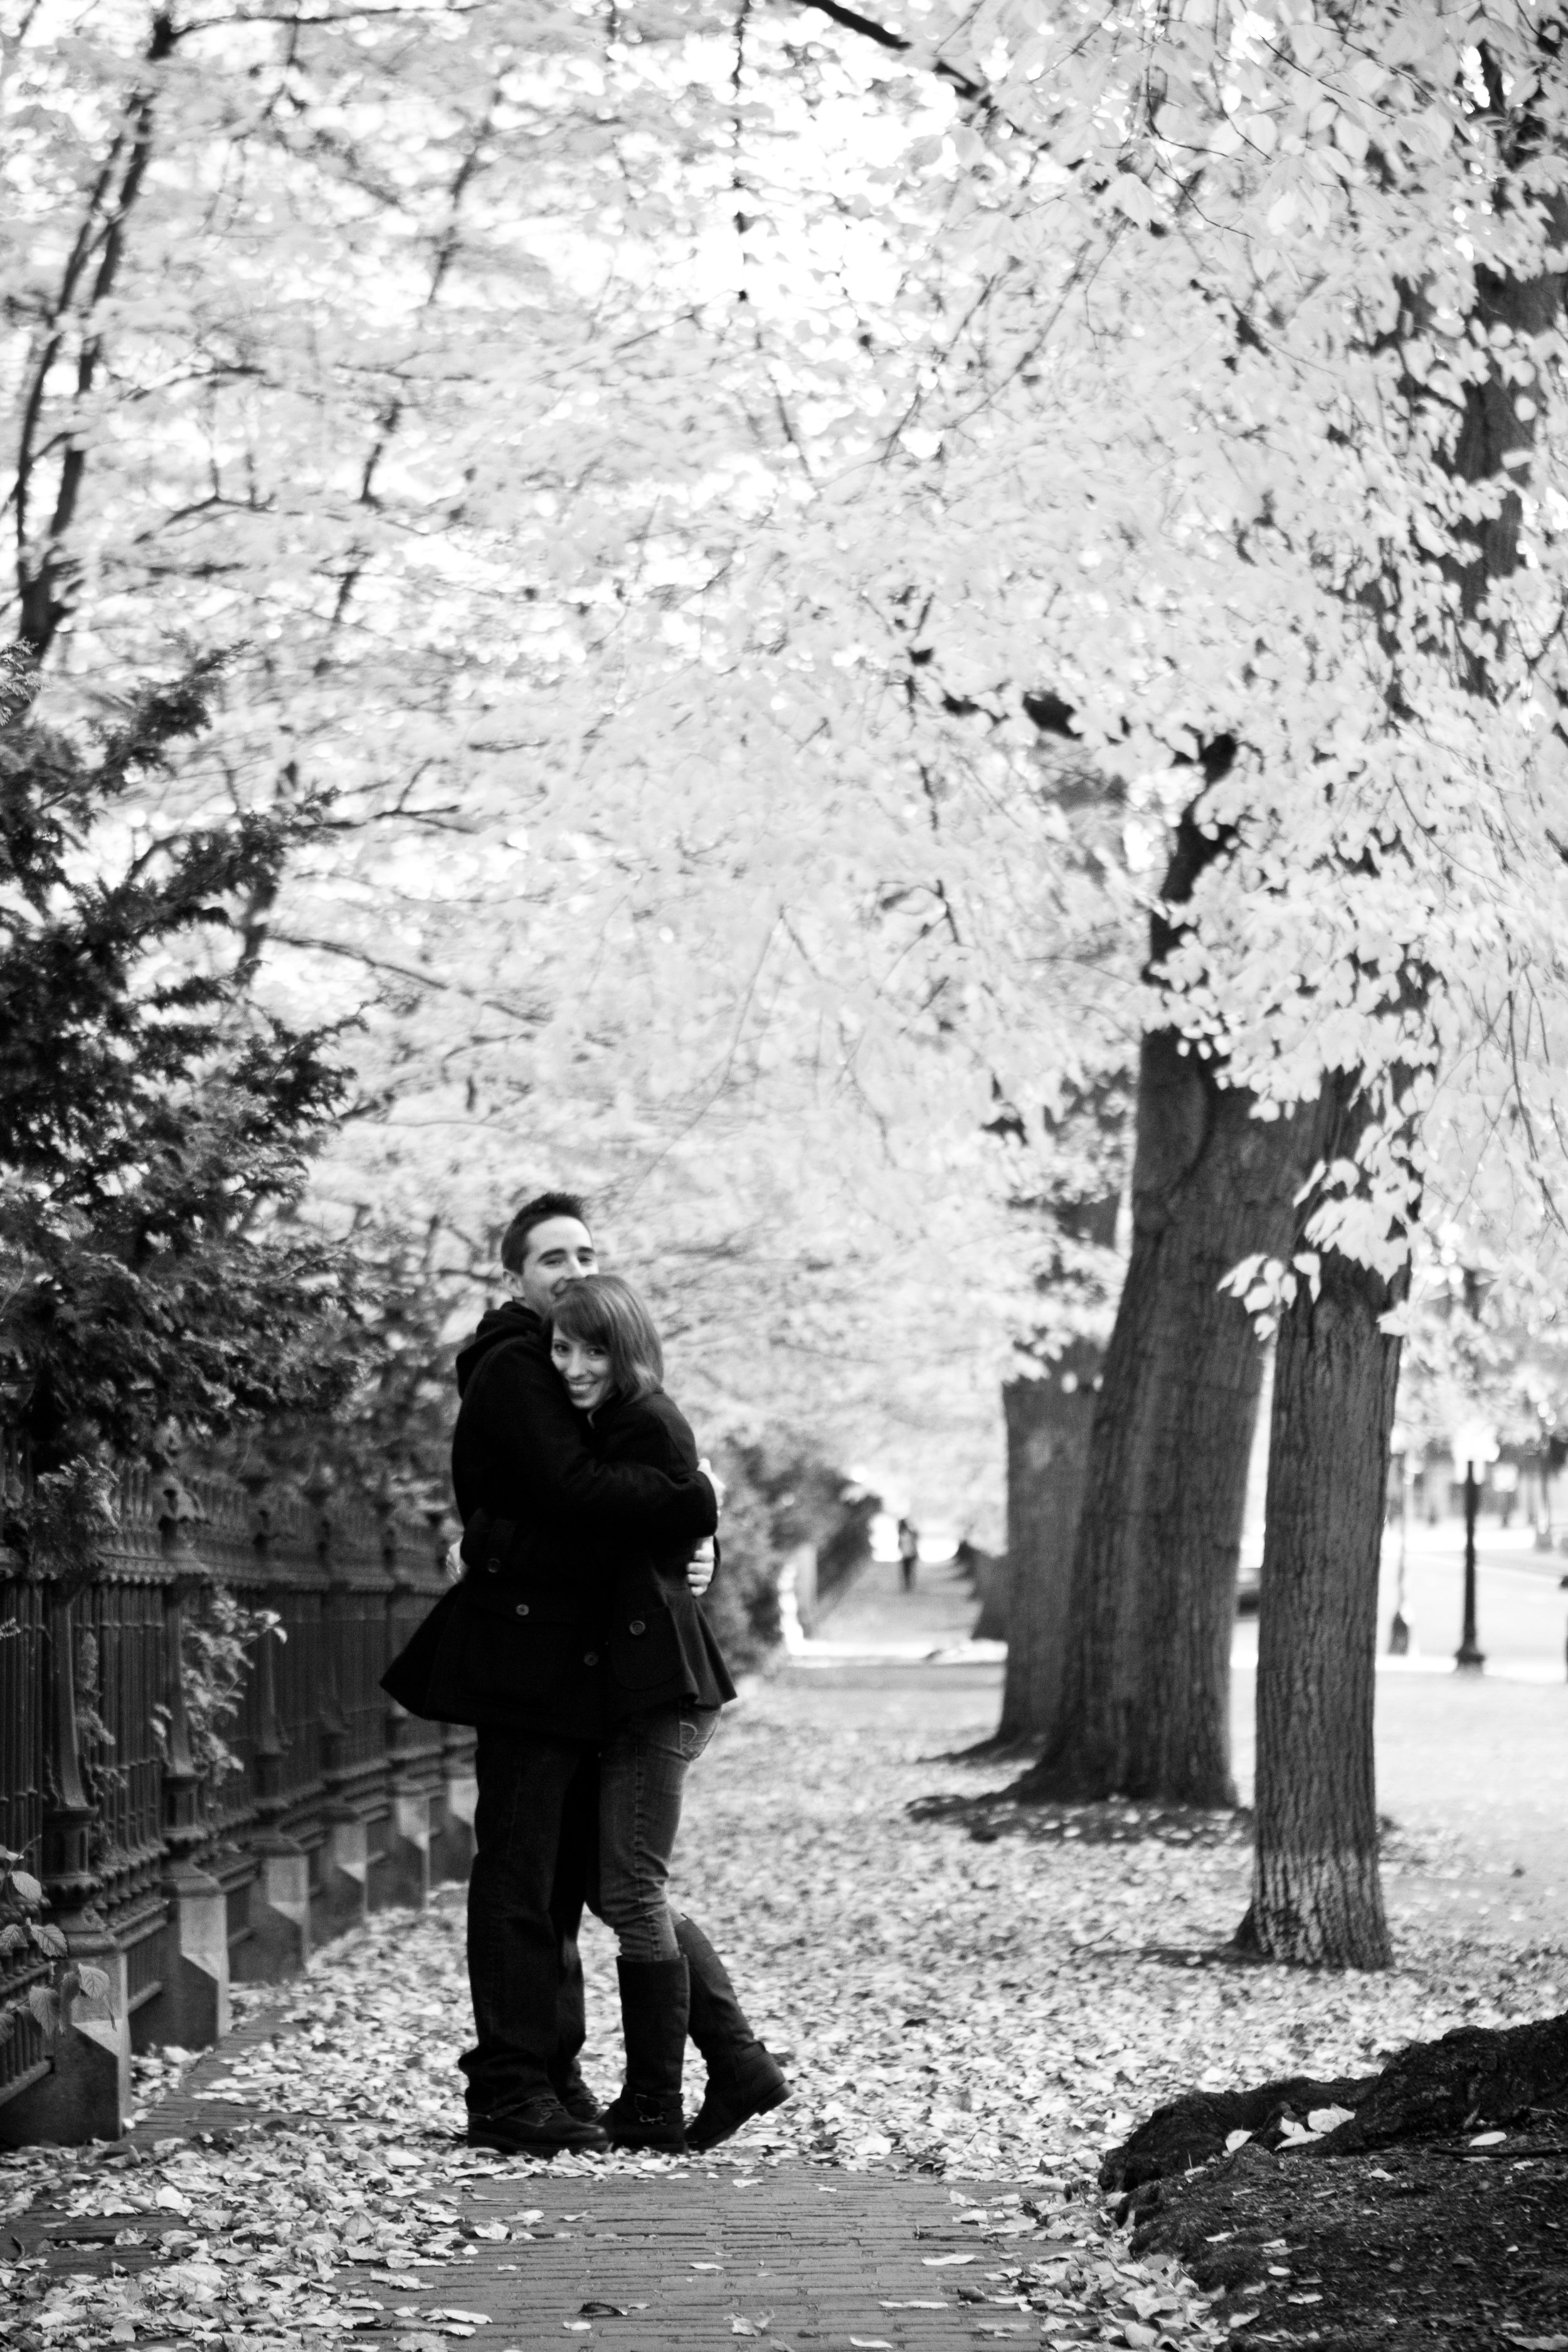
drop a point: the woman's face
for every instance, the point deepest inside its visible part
(585, 1369)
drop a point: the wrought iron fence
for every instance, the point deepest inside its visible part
(171, 1883)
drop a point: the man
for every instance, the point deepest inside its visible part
(512, 1650)
(909, 1553)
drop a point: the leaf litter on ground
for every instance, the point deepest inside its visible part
(994, 2012)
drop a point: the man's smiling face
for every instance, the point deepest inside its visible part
(557, 1251)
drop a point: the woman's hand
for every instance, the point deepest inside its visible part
(700, 1567)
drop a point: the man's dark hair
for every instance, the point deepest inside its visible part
(514, 1240)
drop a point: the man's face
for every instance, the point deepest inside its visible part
(558, 1252)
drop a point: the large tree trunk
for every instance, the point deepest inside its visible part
(1145, 1707)
(1316, 1896)
(1048, 1425)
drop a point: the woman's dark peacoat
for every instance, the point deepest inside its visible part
(658, 1645)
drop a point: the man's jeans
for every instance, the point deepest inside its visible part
(534, 1830)
(642, 1781)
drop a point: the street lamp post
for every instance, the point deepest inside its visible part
(1474, 1446)
(1468, 1657)
(1399, 1626)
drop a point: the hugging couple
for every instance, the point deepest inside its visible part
(575, 1644)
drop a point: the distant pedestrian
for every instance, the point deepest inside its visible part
(909, 1553)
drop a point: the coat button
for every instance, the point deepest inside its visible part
(522, 1608)
(638, 1626)
(590, 1657)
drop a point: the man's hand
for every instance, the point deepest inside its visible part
(699, 1567)
(713, 1480)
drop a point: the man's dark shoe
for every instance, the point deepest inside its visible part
(536, 2127)
(578, 2100)
(751, 2085)
(646, 2119)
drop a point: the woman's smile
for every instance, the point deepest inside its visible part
(585, 1369)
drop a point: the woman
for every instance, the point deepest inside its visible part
(667, 1680)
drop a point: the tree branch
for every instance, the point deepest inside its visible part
(869, 30)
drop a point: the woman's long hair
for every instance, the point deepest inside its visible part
(602, 1311)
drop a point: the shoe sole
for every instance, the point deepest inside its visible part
(503, 2143)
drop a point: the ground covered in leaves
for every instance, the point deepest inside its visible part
(994, 2008)
(1436, 2241)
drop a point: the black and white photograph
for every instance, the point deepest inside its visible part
(784, 1175)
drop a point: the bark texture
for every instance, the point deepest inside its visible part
(1048, 1425)
(1316, 1895)
(1146, 1677)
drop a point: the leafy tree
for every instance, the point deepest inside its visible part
(566, 460)
(155, 1129)
(767, 428)
(1338, 393)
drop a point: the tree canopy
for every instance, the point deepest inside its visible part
(756, 515)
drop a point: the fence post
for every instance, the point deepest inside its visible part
(86, 2094)
(408, 1841)
(345, 1858)
(279, 1942)
(452, 1844)
(191, 2008)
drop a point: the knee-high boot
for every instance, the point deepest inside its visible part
(655, 2007)
(743, 2078)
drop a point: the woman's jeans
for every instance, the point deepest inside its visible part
(642, 1781)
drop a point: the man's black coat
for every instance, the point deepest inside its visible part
(551, 1522)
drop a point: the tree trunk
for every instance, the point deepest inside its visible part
(1316, 1896)
(1146, 1707)
(1048, 1425)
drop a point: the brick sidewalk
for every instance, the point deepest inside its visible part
(698, 2261)
(683, 2256)
(678, 2257)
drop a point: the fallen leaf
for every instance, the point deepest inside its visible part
(1488, 2139)
(603, 2310)
(944, 2262)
